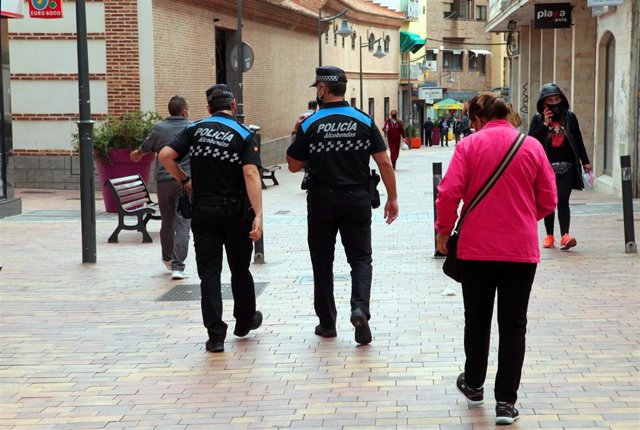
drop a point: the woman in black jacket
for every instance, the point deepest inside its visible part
(557, 129)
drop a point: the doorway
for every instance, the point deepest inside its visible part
(225, 42)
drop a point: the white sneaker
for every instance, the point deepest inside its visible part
(167, 264)
(178, 274)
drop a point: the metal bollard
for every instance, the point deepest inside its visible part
(627, 205)
(258, 254)
(437, 178)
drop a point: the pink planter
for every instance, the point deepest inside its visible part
(121, 165)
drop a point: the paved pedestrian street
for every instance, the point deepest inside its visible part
(92, 346)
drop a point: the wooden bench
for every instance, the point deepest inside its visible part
(269, 172)
(133, 199)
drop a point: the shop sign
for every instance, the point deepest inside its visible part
(552, 15)
(11, 9)
(596, 3)
(597, 11)
(45, 9)
(430, 94)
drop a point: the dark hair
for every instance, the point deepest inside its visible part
(486, 106)
(219, 97)
(176, 105)
(337, 88)
(312, 104)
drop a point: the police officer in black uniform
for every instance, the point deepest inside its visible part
(227, 209)
(336, 143)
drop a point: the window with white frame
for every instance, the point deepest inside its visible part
(372, 39)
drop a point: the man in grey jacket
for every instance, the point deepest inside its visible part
(174, 231)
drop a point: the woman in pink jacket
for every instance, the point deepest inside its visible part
(498, 246)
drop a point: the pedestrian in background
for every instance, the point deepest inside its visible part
(174, 229)
(443, 126)
(457, 129)
(312, 107)
(394, 132)
(558, 130)
(336, 143)
(428, 130)
(498, 248)
(227, 209)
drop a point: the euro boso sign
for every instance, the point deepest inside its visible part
(45, 9)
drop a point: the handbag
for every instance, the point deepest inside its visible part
(184, 205)
(374, 179)
(451, 265)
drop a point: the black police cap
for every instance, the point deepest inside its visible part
(217, 92)
(329, 74)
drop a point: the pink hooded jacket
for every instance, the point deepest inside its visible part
(503, 226)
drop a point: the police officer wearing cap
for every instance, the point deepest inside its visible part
(336, 143)
(227, 209)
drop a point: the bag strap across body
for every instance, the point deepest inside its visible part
(502, 166)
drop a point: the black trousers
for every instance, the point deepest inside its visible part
(444, 137)
(349, 212)
(564, 185)
(214, 227)
(513, 281)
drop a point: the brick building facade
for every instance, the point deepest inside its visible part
(143, 52)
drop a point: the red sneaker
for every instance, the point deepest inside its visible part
(548, 242)
(567, 242)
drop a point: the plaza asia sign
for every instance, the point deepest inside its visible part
(552, 15)
(45, 9)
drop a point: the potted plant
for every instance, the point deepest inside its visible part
(413, 137)
(113, 142)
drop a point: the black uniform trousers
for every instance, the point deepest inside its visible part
(480, 281)
(214, 227)
(349, 212)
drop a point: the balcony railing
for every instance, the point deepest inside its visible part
(415, 72)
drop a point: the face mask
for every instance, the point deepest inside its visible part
(394, 116)
(556, 109)
(319, 99)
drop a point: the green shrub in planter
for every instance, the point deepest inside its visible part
(415, 133)
(125, 132)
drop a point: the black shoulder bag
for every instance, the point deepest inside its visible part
(451, 266)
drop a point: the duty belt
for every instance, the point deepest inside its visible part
(216, 200)
(340, 187)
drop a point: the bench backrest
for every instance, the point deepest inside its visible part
(130, 191)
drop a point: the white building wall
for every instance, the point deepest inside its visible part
(626, 68)
(54, 56)
(38, 91)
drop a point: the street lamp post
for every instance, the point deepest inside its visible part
(239, 95)
(423, 66)
(378, 54)
(85, 133)
(343, 31)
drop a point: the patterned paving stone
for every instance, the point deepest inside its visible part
(89, 346)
